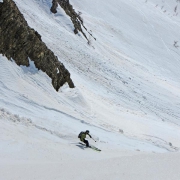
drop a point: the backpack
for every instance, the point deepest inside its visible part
(79, 136)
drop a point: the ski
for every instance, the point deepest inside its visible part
(92, 147)
(95, 148)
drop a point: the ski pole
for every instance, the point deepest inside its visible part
(93, 139)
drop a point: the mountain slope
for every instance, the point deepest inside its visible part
(126, 81)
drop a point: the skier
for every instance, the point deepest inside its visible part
(82, 137)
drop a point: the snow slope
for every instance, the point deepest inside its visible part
(127, 94)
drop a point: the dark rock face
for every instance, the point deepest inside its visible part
(20, 42)
(75, 17)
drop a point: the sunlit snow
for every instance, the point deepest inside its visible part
(127, 95)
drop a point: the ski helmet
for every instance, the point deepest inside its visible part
(87, 131)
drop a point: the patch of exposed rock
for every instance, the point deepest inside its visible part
(20, 42)
(75, 17)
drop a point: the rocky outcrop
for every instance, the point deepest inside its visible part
(21, 43)
(75, 17)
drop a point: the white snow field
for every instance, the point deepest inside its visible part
(127, 95)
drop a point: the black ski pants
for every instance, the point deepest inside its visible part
(86, 142)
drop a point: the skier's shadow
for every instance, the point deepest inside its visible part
(80, 146)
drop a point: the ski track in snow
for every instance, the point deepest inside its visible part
(127, 94)
(112, 77)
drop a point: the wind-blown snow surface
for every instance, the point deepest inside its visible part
(127, 94)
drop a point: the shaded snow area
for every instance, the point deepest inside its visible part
(127, 95)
